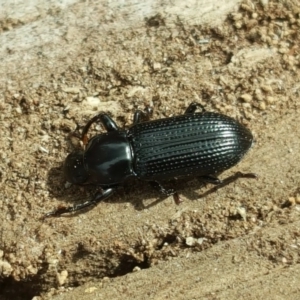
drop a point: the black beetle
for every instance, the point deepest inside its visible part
(201, 144)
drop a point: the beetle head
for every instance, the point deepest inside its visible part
(74, 168)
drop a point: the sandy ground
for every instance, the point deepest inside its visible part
(61, 64)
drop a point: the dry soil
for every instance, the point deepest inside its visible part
(61, 64)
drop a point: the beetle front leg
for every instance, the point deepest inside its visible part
(193, 107)
(105, 120)
(98, 197)
(168, 192)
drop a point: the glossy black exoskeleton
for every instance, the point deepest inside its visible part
(200, 144)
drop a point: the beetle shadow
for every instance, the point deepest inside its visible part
(144, 192)
(188, 188)
(55, 181)
(135, 191)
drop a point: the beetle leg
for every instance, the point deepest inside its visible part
(168, 192)
(229, 180)
(141, 115)
(106, 121)
(193, 107)
(163, 190)
(235, 176)
(176, 198)
(244, 175)
(99, 196)
(210, 179)
(215, 180)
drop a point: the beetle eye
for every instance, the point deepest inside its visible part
(74, 169)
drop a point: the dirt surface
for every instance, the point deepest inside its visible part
(58, 70)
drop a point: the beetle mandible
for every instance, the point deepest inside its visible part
(200, 144)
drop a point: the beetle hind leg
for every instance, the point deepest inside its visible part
(210, 179)
(220, 183)
(193, 107)
(98, 197)
(228, 181)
